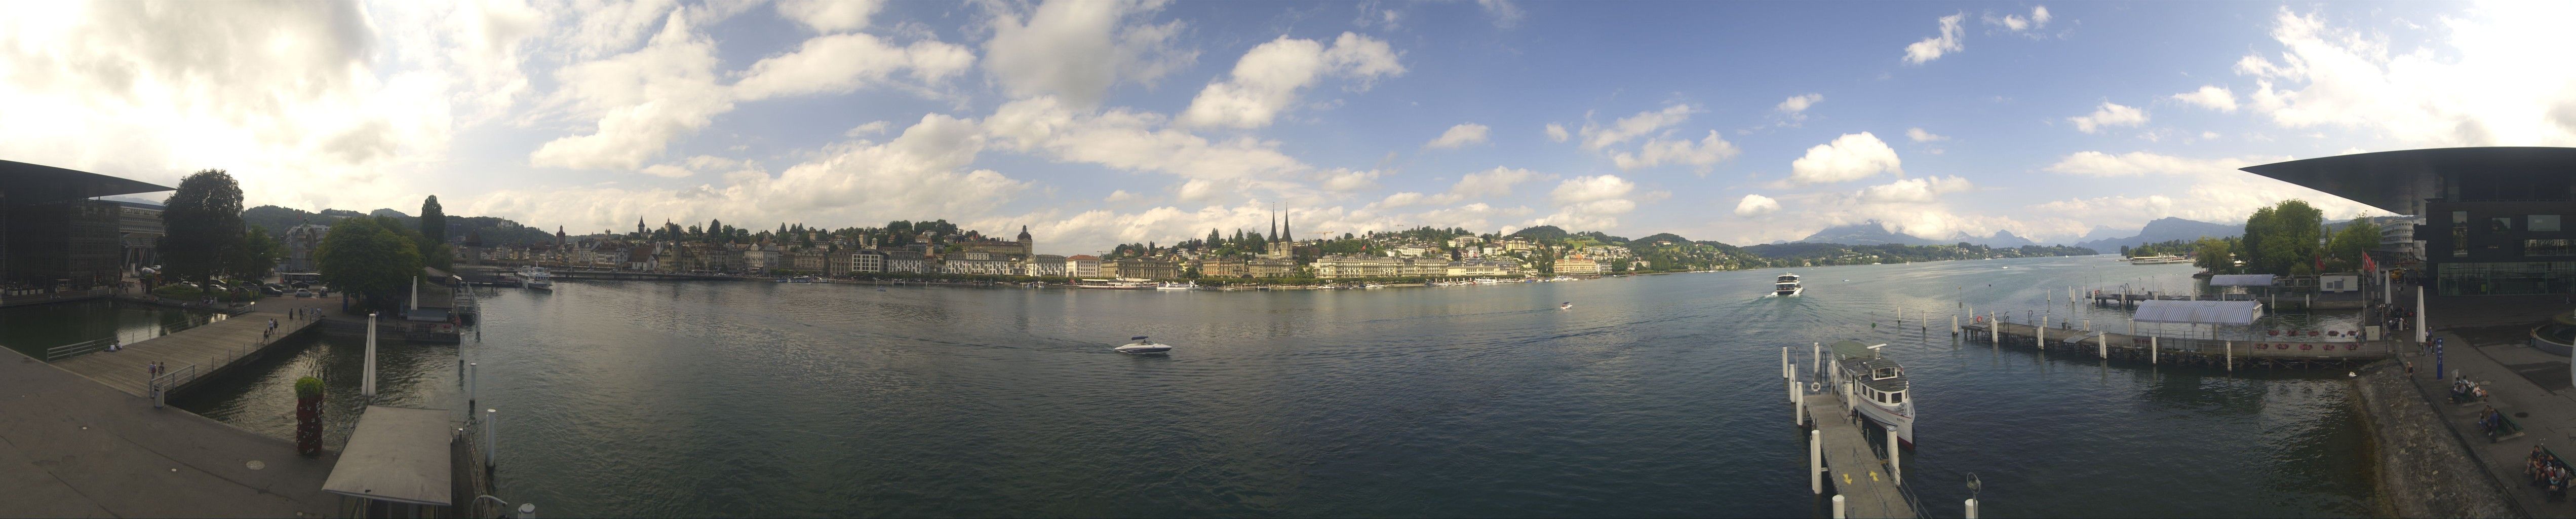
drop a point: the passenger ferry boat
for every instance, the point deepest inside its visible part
(1787, 286)
(1178, 286)
(1115, 284)
(536, 277)
(1873, 386)
(2158, 260)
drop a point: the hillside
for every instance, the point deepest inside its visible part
(2168, 229)
(1865, 233)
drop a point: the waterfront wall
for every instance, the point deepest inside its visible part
(2424, 470)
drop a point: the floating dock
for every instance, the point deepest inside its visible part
(1851, 469)
(189, 355)
(2272, 351)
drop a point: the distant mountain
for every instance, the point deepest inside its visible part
(1867, 233)
(2001, 239)
(2166, 229)
(2105, 232)
(1540, 233)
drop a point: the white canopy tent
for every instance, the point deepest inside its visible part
(2238, 313)
(2241, 280)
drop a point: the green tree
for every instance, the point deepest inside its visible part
(433, 220)
(371, 258)
(255, 256)
(204, 224)
(2344, 250)
(2283, 236)
(2211, 254)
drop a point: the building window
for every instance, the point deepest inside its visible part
(2499, 224)
(2543, 223)
(2547, 248)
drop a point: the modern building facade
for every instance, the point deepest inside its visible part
(2493, 219)
(301, 241)
(56, 243)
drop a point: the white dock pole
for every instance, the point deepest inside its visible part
(490, 442)
(1954, 325)
(2103, 345)
(1972, 508)
(1784, 363)
(367, 384)
(2231, 355)
(1817, 358)
(2152, 350)
(1816, 460)
(470, 384)
(2088, 324)
(2039, 336)
(1895, 470)
(529, 510)
(1838, 507)
(1801, 406)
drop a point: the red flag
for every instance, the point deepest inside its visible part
(2321, 264)
(2367, 264)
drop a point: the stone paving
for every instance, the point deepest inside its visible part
(2483, 337)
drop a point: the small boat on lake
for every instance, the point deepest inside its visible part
(1143, 346)
(1569, 305)
(1873, 386)
(1178, 286)
(535, 277)
(1787, 286)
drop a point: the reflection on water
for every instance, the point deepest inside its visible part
(32, 329)
(1655, 396)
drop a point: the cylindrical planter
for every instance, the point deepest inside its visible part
(308, 417)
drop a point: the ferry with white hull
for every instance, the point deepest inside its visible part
(1787, 286)
(1874, 387)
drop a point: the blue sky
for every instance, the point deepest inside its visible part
(1102, 122)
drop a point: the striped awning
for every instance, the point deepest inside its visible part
(2199, 312)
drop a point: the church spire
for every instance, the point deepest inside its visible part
(1274, 225)
(1287, 227)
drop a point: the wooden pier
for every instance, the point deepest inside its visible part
(2284, 351)
(189, 355)
(1852, 469)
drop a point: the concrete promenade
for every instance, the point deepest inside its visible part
(70, 447)
(2484, 338)
(211, 347)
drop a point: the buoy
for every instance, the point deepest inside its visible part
(2306, 346)
(2274, 332)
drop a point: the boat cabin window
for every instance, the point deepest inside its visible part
(1885, 373)
(1895, 398)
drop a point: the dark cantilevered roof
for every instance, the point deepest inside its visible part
(2399, 181)
(36, 183)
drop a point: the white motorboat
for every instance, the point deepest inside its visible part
(2158, 260)
(1787, 286)
(1178, 286)
(1143, 345)
(535, 277)
(1569, 305)
(1113, 284)
(1873, 386)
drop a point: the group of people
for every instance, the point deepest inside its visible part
(2463, 391)
(2491, 422)
(2547, 472)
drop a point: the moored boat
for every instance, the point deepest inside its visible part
(1873, 386)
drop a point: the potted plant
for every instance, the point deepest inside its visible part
(308, 416)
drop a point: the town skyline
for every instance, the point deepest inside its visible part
(1105, 123)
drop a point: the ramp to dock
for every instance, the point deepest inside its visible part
(1851, 467)
(210, 347)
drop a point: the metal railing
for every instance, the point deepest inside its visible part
(79, 348)
(159, 386)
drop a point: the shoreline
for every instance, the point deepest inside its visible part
(2446, 480)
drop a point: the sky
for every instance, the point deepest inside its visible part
(1101, 122)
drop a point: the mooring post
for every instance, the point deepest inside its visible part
(2102, 346)
(1801, 404)
(1817, 359)
(1816, 460)
(367, 384)
(1895, 468)
(529, 510)
(2231, 355)
(2153, 349)
(1972, 508)
(490, 443)
(1954, 325)
(1838, 507)
(471, 385)
(2039, 335)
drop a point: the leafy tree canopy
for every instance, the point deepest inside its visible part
(204, 222)
(373, 258)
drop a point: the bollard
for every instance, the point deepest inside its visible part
(1817, 357)
(2103, 346)
(1801, 404)
(529, 510)
(2231, 355)
(471, 385)
(367, 386)
(1954, 325)
(2039, 335)
(1816, 460)
(1793, 391)
(1894, 471)
(2152, 350)
(2088, 324)
(1972, 508)
(1838, 507)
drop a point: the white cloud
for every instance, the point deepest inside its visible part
(1132, 141)
(1932, 48)
(1077, 50)
(2108, 115)
(2480, 86)
(2038, 19)
(1492, 182)
(1796, 106)
(829, 16)
(667, 171)
(1852, 156)
(1644, 123)
(1591, 202)
(1459, 136)
(1556, 132)
(1756, 205)
(1918, 135)
(642, 100)
(1121, 196)
(1348, 180)
(1590, 189)
(841, 63)
(2212, 97)
(1914, 190)
(1504, 13)
(2139, 163)
(1657, 152)
(1267, 79)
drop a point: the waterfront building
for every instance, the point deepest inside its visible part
(1082, 266)
(1270, 267)
(2494, 218)
(834, 264)
(976, 263)
(301, 241)
(867, 261)
(1223, 267)
(809, 259)
(761, 259)
(1142, 268)
(55, 243)
(1043, 265)
(1481, 268)
(2399, 236)
(1465, 242)
(1577, 265)
(1518, 244)
(909, 262)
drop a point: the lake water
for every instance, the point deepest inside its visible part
(33, 329)
(1654, 396)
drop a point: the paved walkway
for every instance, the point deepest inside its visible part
(2483, 338)
(70, 447)
(210, 347)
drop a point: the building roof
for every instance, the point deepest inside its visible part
(2396, 181)
(2241, 280)
(1849, 350)
(37, 183)
(2199, 312)
(396, 454)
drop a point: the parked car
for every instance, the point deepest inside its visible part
(303, 293)
(273, 290)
